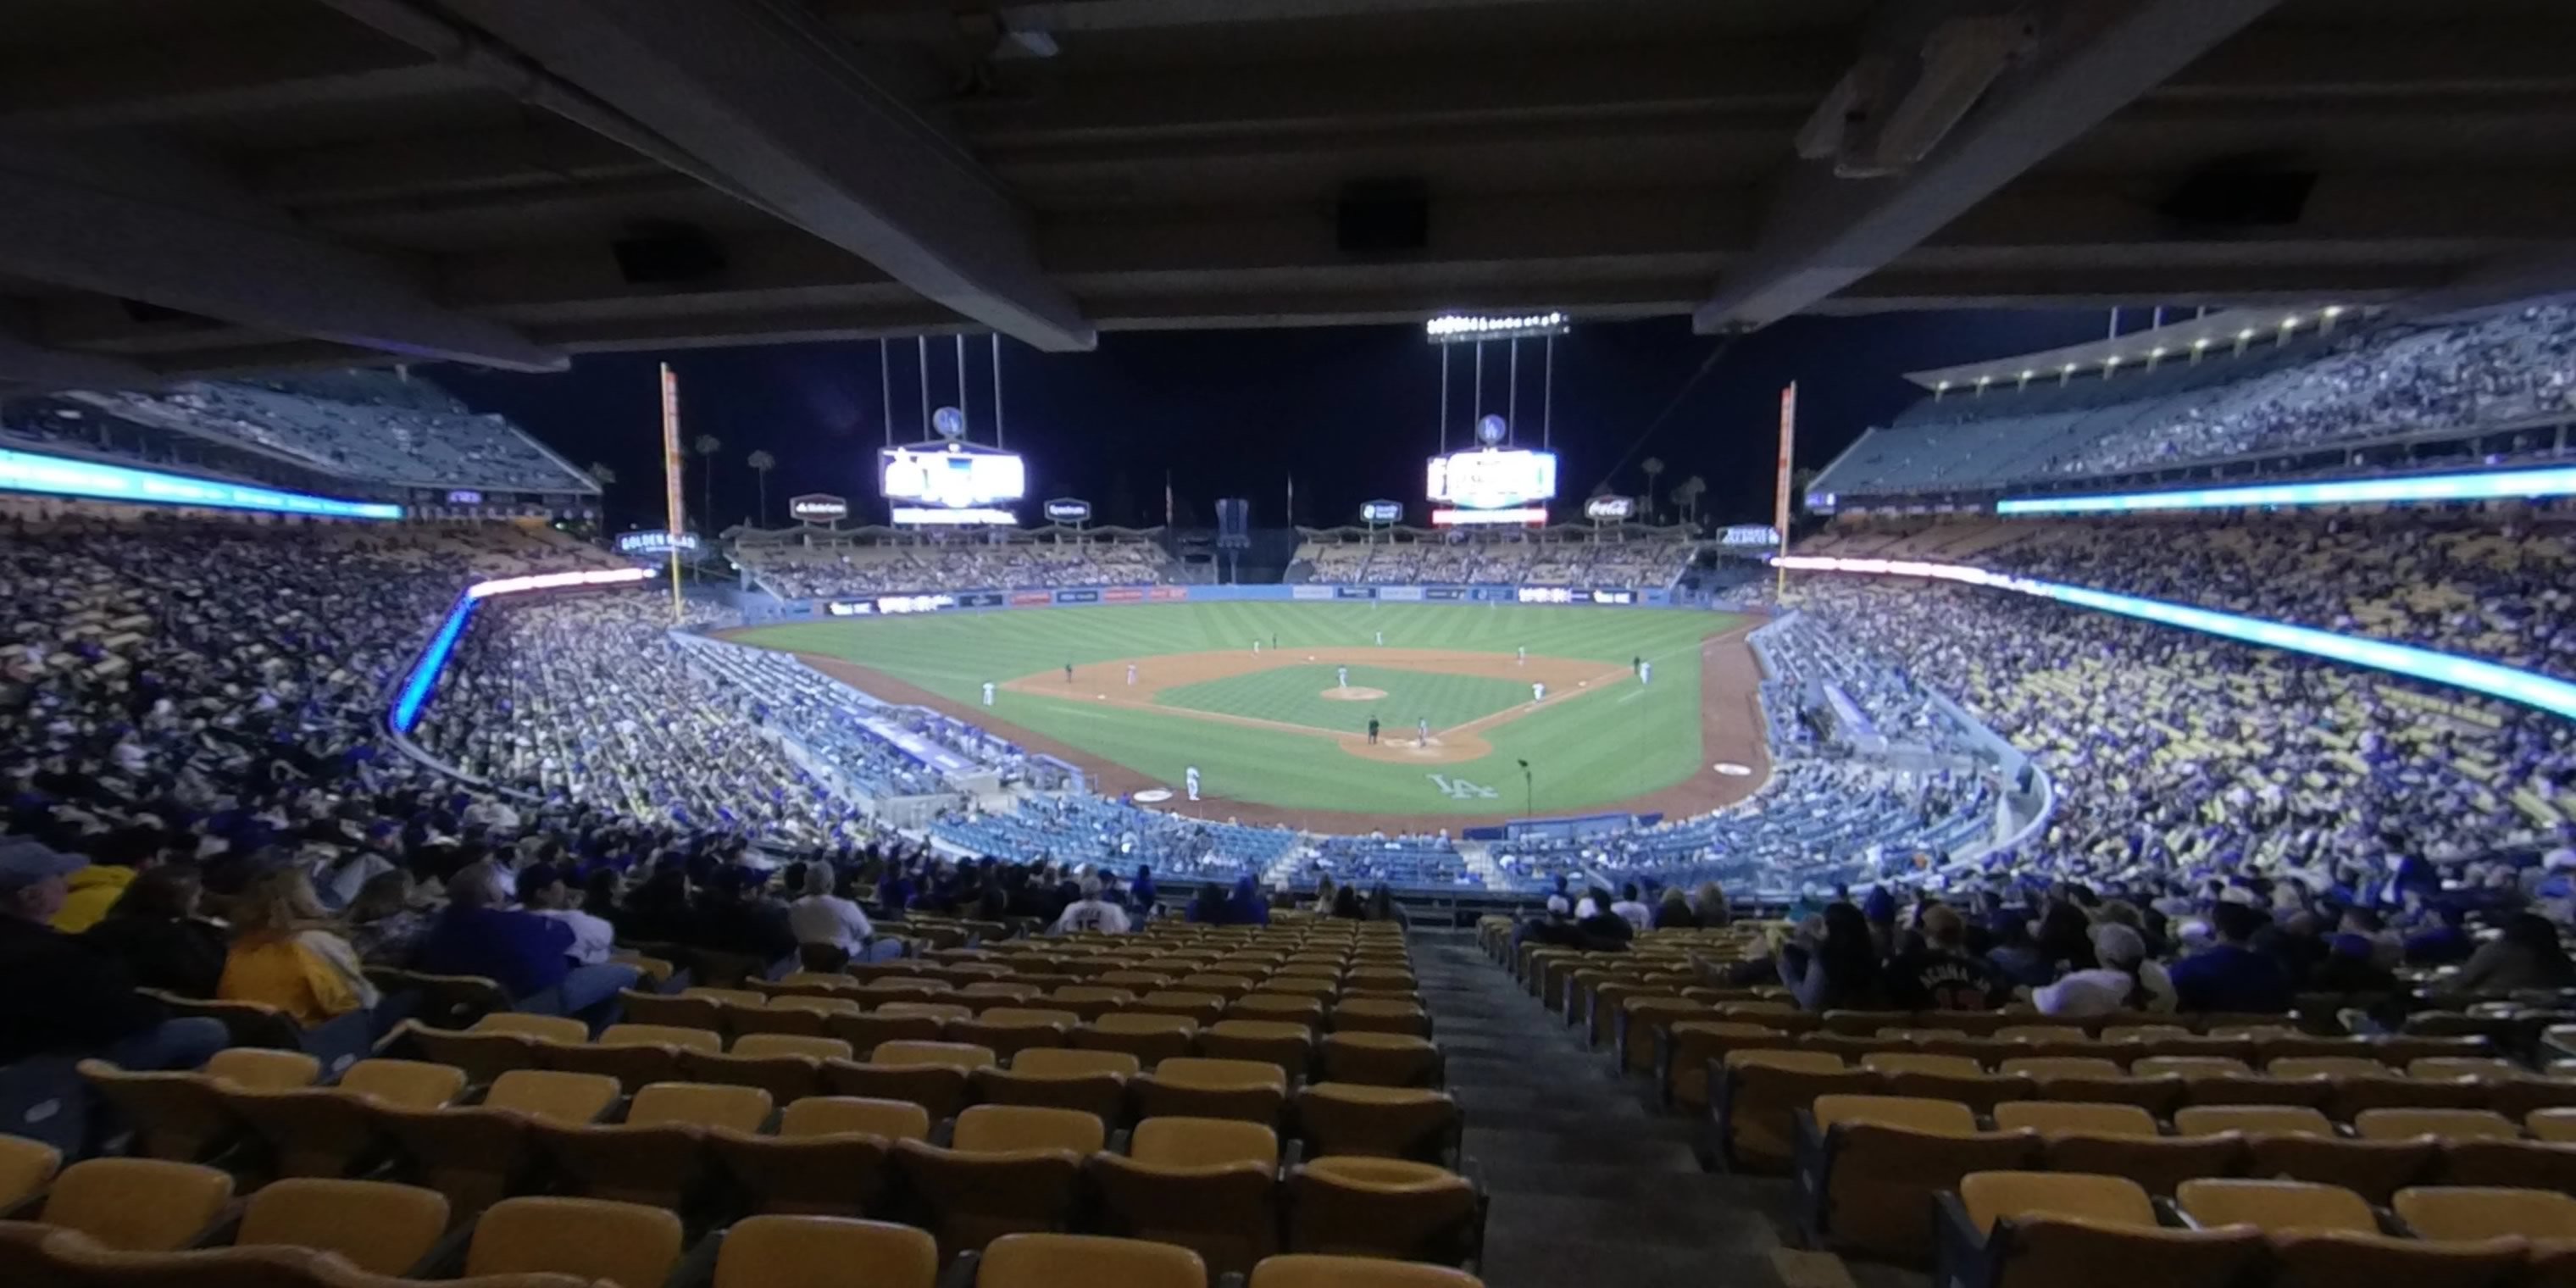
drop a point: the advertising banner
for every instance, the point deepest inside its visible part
(1400, 594)
(1077, 597)
(1065, 509)
(1310, 592)
(982, 599)
(1032, 599)
(1354, 592)
(1491, 594)
(1123, 595)
(1444, 592)
(1610, 509)
(1168, 594)
(818, 507)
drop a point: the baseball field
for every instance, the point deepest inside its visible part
(1271, 702)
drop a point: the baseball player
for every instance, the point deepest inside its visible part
(1538, 692)
(1131, 673)
(1190, 779)
(1422, 732)
(1372, 731)
(988, 693)
(1068, 672)
(1256, 646)
(1523, 651)
(1342, 676)
(1381, 639)
(1645, 671)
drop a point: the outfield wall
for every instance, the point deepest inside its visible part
(986, 600)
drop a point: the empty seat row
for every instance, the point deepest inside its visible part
(2008, 1229)
(740, 1011)
(1867, 1165)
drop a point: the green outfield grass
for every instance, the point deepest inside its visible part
(1607, 747)
(1295, 695)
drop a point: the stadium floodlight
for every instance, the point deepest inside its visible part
(2027, 373)
(1459, 328)
(2494, 679)
(93, 480)
(2246, 334)
(2201, 343)
(2334, 310)
(2482, 485)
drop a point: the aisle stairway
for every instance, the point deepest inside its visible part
(1591, 1184)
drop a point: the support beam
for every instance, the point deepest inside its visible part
(768, 99)
(319, 62)
(163, 249)
(1825, 233)
(2544, 274)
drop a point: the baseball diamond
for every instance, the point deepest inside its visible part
(1278, 736)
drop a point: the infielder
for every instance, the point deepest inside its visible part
(1256, 646)
(988, 693)
(1538, 692)
(1131, 673)
(1342, 676)
(1381, 639)
(1190, 779)
(1523, 651)
(1645, 672)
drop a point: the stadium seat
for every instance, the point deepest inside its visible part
(1150, 1038)
(182, 1115)
(2298, 1144)
(634, 1054)
(1869, 1165)
(798, 1044)
(1188, 1087)
(1289, 1046)
(2325, 1237)
(829, 1156)
(1945, 1077)
(658, 1153)
(1090, 1001)
(1378, 1122)
(1382, 1059)
(2469, 1214)
(1686, 1049)
(784, 1075)
(473, 1153)
(1086, 1261)
(1759, 1094)
(1347, 1205)
(26, 1168)
(1207, 1184)
(1229, 987)
(1201, 1008)
(2046, 1229)
(137, 1204)
(1280, 1007)
(820, 1252)
(379, 1228)
(1094, 1082)
(1009, 1030)
(497, 1044)
(322, 1131)
(2119, 1140)
(2440, 1124)
(624, 1243)
(1364, 1016)
(1007, 1169)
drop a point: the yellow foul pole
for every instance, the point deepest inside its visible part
(1780, 496)
(675, 517)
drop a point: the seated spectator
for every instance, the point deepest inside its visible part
(1939, 974)
(524, 953)
(386, 925)
(824, 920)
(2350, 965)
(60, 994)
(90, 893)
(1673, 911)
(542, 890)
(2447, 942)
(1708, 905)
(1383, 907)
(287, 953)
(2230, 975)
(2125, 981)
(1833, 965)
(1599, 929)
(1632, 909)
(155, 929)
(1090, 913)
(1346, 904)
(2526, 956)
(2013, 953)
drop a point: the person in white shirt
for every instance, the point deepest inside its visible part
(2126, 980)
(820, 917)
(1632, 910)
(1091, 913)
(543, 892)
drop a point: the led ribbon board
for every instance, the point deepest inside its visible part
(433, 659)
(2483, 485)
(2555, 696)
(61, 476)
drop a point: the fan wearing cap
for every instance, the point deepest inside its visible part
(61, 995)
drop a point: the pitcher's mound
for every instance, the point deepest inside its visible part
(1354, 694)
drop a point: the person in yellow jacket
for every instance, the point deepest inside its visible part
(94, 890)
(288, 953)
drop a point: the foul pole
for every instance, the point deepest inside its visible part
(1780, 498)
(674, 517)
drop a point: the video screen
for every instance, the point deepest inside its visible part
(954, 479)
(1493, 479)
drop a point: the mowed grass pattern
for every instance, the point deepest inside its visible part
(1295, 695)
(1607, 747)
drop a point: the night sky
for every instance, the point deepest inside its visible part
(1351, 412)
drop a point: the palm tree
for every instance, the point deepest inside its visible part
(1654, 468)
(761, 464)
(1693, 488)
(706, 446)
